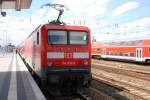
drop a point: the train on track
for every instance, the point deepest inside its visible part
(132, 51)
(59, 54)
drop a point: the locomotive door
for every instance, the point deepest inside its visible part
(35, 47)
(33, 55)
(139, 54)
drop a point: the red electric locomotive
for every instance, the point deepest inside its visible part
(59, 54)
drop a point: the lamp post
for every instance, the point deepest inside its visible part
(137, 26)
(0, 44)
(4, 37)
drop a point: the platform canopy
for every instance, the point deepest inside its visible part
(15, 4)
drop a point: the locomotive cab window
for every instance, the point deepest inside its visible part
(78, 38)
(57, 37)
(67, 37)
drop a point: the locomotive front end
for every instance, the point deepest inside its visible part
(67, 52)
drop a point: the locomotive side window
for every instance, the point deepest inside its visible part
(57, 37)
(37, 37)
(78, 37)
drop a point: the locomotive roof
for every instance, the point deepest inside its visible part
(69, 27)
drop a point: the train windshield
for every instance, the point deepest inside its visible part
(78, 38)
(67, 37)
(57, 37)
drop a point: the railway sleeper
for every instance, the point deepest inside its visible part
(83, 96)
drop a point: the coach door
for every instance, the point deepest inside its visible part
(104, 52)
(139, 54)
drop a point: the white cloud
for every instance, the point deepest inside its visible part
(125, 8)
(18, 28)
(89, 8)
(80, 10)
(75, 5)
(134, 26)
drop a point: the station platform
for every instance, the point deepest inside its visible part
(16, 83)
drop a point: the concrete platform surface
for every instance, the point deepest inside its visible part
(16, 83)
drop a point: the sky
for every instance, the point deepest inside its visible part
(108, 20)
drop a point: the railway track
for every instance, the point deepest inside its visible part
(130, 83)
(83, 96)
(124, 65)
(86, 94)
(116, 91)
(125, 90)
(131, 73)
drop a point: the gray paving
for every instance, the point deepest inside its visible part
(12, 93)
(5, 74)
(16, 82)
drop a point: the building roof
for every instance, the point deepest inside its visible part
(15, 4)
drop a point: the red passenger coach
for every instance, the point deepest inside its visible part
(96, 51)
(59, 53)
(137, 51)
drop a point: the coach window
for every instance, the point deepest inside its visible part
(37, 37)
(125, 54)
(148, 49)
(132, 54)
(117, 54)
(114, 53)
(120, 54)
(107, 53)
(111, 53)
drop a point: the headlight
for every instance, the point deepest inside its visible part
(86, 62)
(49, 63)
